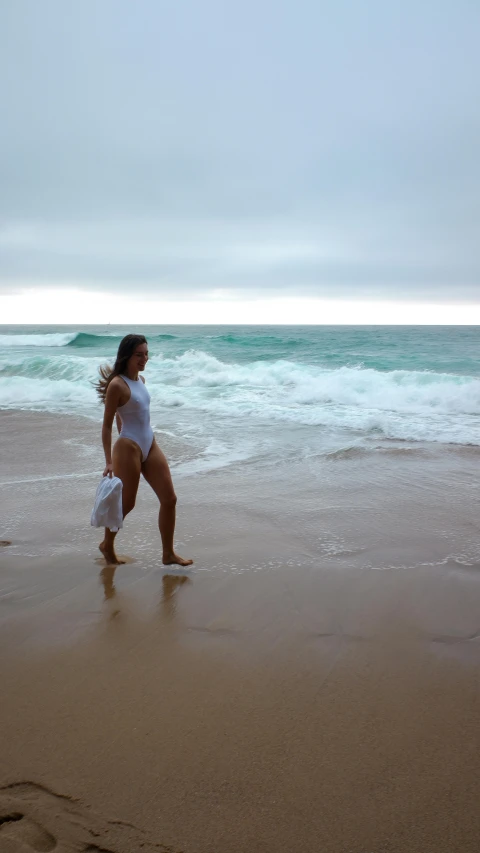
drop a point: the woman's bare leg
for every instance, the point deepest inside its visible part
(127, 465)
(157, 474)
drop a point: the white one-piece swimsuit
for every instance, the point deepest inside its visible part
(135, 415)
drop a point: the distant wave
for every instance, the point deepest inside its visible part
(83, 339)
(67, 339)
(56, 339)
(258, 341)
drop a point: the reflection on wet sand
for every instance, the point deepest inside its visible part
(106, 577)
(170, 585)
(168, 600)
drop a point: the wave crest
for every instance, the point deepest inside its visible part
(53, 339)
(400, 404)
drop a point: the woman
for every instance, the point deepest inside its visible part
(125, 396)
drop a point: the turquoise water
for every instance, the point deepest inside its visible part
(414, 384)
(451, 349)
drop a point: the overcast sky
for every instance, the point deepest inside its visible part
(212, 149)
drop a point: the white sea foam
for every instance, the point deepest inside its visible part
(216, 455)
(19, 392)
(306, 385)
(400, 404)
(56, 339)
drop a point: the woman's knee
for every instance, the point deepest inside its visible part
(169, 501)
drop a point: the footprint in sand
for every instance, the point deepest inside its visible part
(36, 820)
(19, 833)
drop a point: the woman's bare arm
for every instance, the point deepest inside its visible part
(112, 400)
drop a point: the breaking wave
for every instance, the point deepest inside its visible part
(401, 404)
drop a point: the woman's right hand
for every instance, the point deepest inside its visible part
(108, 470)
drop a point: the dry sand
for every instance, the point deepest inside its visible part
(279, 710)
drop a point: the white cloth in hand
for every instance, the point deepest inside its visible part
(107, 510)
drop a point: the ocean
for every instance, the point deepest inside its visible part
(360, 385)
(364, 439)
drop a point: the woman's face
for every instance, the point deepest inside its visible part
(139, 358)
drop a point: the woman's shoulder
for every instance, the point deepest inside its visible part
(116, 387)
(117, 382)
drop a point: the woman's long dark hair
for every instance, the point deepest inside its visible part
(126, 349)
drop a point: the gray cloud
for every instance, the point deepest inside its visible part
(278, 148)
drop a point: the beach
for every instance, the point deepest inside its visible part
(289, 693)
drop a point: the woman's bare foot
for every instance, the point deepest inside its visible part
(4, 543)
(174, 560)
(110, 555)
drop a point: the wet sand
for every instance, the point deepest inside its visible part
(262, 702)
